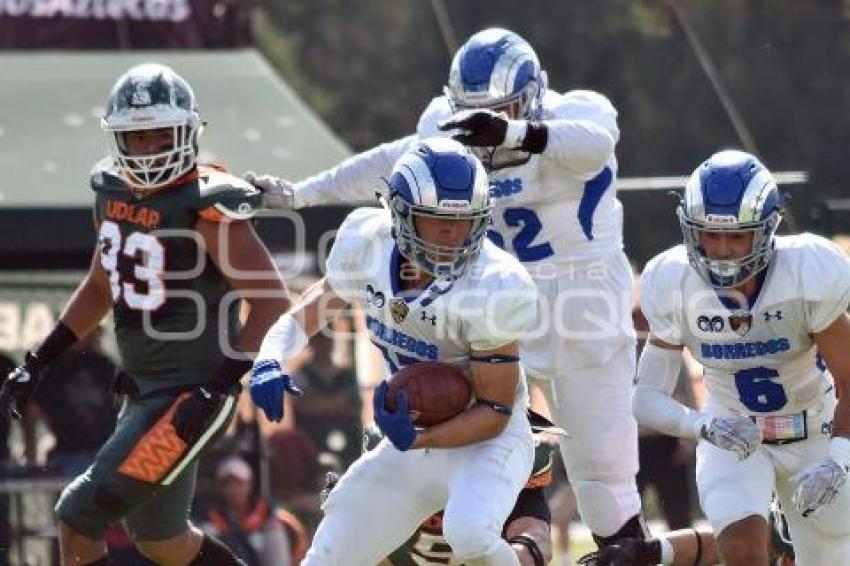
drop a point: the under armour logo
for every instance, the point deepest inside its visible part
(768, 316)
(424, 316)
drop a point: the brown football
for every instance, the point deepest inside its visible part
(435, 390)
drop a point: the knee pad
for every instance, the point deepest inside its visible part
(500, 555)
(606, 506)
(469, 536)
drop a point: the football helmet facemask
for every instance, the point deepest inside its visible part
(497, 69)
(439, 178)
(152, 97)
(730, 192)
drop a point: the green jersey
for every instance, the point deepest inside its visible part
(170, 303)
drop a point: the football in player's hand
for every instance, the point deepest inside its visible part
(436, 392)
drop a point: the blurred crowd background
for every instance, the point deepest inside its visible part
(291, 87)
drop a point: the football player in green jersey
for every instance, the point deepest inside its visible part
(175, 255)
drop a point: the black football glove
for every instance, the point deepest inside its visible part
(19, 386)
(625, 552)
(485, 128)
(195, 413)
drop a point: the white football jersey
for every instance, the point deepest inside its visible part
(561, 205)
(758, 359)
(492, 304)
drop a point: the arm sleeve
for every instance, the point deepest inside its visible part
(826, 280)
(582, 133)
(355, 180)
(653, 404)
(505, 309)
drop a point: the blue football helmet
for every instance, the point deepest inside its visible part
(439, 178)
(497, 69)
(730, 192)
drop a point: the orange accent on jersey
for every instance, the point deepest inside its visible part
(540, 480)
(158, 450)
(141, 191)
(212, 214)
(137, 214)
(214, 165)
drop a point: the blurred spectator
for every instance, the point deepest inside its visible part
(249, 525)
(329, 411)
(665, 461)
(76, 401)
(297, 476)
(7, 364)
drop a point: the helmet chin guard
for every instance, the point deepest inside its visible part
(152, 97)
(731, 192)
(439, 179)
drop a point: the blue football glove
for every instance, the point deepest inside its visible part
(268, 385)
(396, 425)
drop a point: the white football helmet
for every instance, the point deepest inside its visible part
(439, 178)
(498, 70)
(730, 192)
(152, 97)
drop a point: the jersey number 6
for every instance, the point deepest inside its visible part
(757, 390)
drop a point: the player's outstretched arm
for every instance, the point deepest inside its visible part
(354, 180)
(494, 386)
(654, 406)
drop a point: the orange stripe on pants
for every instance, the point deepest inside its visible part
(158, 450)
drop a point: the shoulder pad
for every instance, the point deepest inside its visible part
(438, 110)
(581, 105)
(104, 176)
(365, 223)
(661, 298)
(226, 197)
(822, 275)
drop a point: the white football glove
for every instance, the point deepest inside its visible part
(738, 434)
(277, 192)
(818, 485)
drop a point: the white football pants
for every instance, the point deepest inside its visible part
(584, 361)
(731, 490)
(384, 497)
